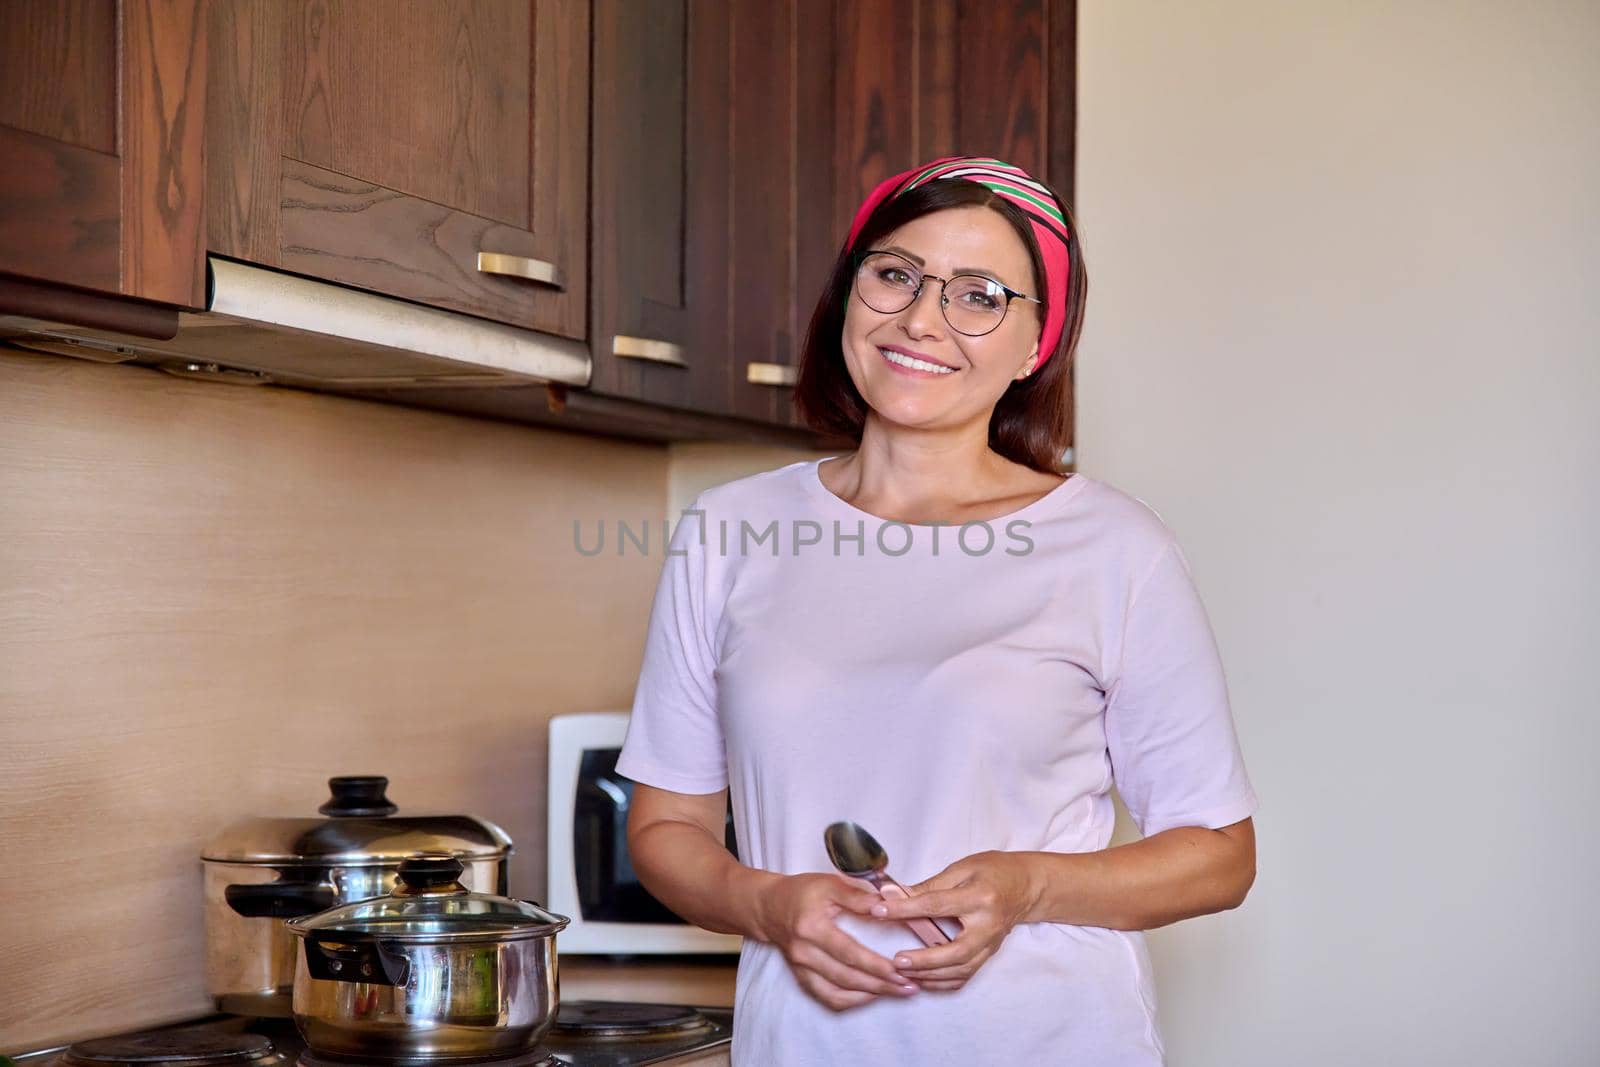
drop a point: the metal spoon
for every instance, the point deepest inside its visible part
(857, 853)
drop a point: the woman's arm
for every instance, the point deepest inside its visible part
(675, 840)
(1176, 874)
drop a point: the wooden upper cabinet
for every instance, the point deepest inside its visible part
(647, 203)
(670, 180)
(782, 241)
(711, 158)
(435, 150)
(101, 182)
(929, 78)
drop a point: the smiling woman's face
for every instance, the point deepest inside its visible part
(964, 240)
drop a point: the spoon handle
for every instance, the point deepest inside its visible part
(928, 931)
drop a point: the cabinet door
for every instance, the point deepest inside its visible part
(651, 202)
(100, 186)
(705, 164)
(434, 150)
(783, 173)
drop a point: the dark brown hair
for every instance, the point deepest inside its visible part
(1031, 422)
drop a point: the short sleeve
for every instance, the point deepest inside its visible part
(674, 737)
(1174, 752)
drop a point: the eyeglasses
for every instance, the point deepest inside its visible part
(972, 304)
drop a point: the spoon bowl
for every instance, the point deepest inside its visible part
(854, 851)
(857, 854)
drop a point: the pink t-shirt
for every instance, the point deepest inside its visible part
(953, 690)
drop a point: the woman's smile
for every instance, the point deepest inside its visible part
(914, 364)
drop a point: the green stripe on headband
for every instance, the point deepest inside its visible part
(997, 181)
(939, 170)
(928, 173)
(1029, 195)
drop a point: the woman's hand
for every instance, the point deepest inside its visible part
(797, 914)
(990, 893)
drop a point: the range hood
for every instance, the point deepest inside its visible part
(264, 326)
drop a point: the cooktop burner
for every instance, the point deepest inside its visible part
(585, 1034)
(526, 1059)
(175, 1048)
(601, 1019)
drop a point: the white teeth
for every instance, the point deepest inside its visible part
(915, 364)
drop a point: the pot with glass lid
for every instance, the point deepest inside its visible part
(262, 871)
(430, 973)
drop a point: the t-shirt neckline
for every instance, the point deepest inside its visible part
(812, 476)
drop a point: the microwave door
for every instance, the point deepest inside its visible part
(608, 888)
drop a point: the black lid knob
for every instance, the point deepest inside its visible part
(430, 870)
(357, 795)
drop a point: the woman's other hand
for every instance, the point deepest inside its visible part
(990, 892)
(797, 914)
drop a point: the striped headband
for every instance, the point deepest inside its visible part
(1022, 191)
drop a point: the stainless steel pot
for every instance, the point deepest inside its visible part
(262, 871)
(431, 972)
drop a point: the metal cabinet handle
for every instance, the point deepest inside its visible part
(645, 348)
(769, 373)
(533, 270)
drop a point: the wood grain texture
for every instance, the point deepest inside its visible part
(655, 232)
(309, 84)
(215, 598)
(60, 211)
(1001, 99)
(709, 284)
(585, 411)
(58, 70)
(163, 127)
(244, 128)
(349, 230)
(648, 981)
(57, 303)
(1061, 96)
(408, 138)
(639, 154)
(559, 171)
(935, 117)
(1061, 130)
(816, 237)
(430, 99)
(877, 64)
(762, 204)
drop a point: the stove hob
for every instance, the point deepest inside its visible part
(175, 1048)
(585, 1034)
(525, 1059)
(598, 1019)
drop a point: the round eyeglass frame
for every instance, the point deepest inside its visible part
(944, 302)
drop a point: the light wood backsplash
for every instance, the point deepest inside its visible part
(213, 598)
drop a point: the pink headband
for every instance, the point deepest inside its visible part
(1022, 191)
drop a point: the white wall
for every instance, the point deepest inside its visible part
(1344, 302)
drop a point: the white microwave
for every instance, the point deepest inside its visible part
(591, 877)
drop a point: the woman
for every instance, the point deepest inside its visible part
(940, 638)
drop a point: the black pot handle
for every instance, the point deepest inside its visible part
(280, 900)
(359, 958)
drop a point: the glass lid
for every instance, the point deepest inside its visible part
(430, 904)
